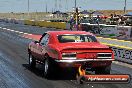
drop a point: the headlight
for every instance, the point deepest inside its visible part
(68, 55)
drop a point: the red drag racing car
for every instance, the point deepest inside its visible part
(70, 49)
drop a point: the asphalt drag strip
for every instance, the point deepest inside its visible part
(9, 78)
(15, 71)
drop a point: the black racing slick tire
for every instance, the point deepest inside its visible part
(48, 68)
(32, 61)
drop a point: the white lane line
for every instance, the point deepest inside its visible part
(16, 31)
(4, 28)
(25, 33)
(8, 29)
(30, 34)
(27, 37)
(12, 30)
(21, 32)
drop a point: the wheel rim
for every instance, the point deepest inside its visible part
(46, 67)
(30, 59)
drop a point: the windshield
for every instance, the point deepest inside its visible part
(76, 38)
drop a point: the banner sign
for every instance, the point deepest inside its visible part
(124, 31)
(118, 31)
(108, 29)
(122, 54)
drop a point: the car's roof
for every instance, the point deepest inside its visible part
(68, 32)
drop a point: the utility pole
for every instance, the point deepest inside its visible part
(125, 6)
(46, 9)
(66, 6)
(55, 9)
(75, 3)
(76, 15)
(59, 5)
(28, 10)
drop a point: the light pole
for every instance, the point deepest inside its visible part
(66, 6)
(28, 9)
(59, 5)
(55, 9)
(75, 3)
(46, 8)
(125, 6)
(76, 14)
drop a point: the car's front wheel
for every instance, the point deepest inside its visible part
(32, 61)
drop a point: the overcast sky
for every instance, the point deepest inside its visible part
(63, 5)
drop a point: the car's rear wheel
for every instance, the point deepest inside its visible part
(103, 70)
(32, 61)
(48, 68)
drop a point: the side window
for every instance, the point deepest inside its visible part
(45, 40)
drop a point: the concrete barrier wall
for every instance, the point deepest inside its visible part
(48, 24)
(27, 22)
(123, 32)
(121, 54)
(116, 30)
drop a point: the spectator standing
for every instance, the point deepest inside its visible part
(71, 23)
(119, 21)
